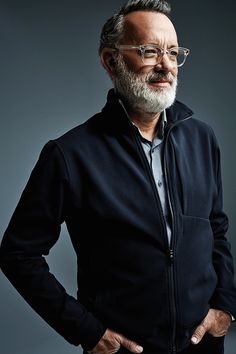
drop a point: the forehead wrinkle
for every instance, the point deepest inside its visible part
(163, 40)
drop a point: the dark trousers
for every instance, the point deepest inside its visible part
(208, 345)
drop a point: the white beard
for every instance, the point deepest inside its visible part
(134, 89)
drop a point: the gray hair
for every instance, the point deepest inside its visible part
(112, 30)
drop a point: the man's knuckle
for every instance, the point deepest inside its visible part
(205, 326)
(200, 331)
(129, 344)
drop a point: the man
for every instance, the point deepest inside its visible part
(139, 188)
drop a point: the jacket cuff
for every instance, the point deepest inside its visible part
(92, 332)
(224, 300)
(232, 317)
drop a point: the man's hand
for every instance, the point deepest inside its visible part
(216, 323)
(111, 342)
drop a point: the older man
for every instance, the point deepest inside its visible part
(139, 188)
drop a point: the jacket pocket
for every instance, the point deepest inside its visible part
(196, 276)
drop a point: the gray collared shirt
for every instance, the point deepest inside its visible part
(154, 152)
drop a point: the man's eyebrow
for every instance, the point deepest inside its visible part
(169, 46)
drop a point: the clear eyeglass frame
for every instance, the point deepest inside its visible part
(152, 54)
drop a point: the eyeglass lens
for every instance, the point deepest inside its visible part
(152, 56)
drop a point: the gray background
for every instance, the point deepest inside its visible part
(51, 80)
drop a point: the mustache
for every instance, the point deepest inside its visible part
(152, 77)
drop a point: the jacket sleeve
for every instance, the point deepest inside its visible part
(33, 229)
(224, 297)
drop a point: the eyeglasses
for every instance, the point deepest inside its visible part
(152, 54)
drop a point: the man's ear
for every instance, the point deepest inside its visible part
(108, 61)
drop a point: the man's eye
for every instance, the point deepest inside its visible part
(174, 52)
(150, 52)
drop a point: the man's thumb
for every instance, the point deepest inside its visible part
(198, 334)
(130, 345)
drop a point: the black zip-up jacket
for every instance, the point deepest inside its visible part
(97, 179)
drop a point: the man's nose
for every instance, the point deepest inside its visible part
(165, 64)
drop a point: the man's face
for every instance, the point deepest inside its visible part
(149, 88)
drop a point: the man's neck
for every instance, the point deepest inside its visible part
(146, 123)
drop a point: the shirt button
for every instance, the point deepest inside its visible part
(159, 183)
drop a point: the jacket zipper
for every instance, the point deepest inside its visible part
(172, 244)
(170, 251)
(170, 203)
(170, 247)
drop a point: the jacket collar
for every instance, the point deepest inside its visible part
(177, 112)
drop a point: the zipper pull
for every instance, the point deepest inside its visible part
(171, 255)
